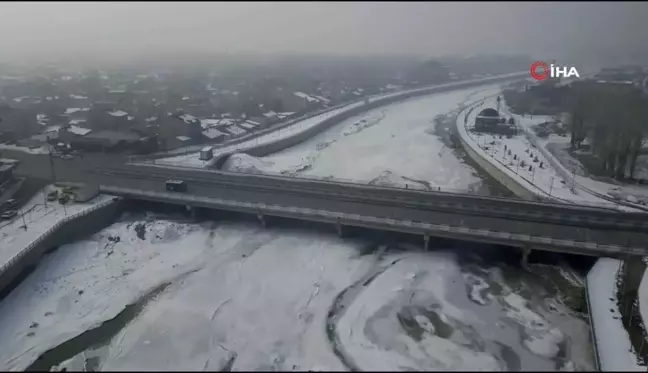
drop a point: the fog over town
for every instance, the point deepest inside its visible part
(323, 186)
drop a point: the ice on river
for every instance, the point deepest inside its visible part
(269, 299)
(397, 141)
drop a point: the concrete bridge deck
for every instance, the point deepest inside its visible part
(405, 211)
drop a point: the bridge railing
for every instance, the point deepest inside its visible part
(48, 232)
(414, 185)
(332, 216)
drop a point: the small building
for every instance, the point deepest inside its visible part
(487, 120)
(214, 135)
(206, 153)
(490, 121)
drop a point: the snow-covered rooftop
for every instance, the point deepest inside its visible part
(74, 110)
(248, 126)
(188, 118)
(79, 130)
(213, 133)
(234, 130)
(306, 97)
(77, 121)
(118, 113)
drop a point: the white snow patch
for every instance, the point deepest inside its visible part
(117, 113)
(612, 340)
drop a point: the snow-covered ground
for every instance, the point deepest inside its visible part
(599, 191)
(393, 145)
(612, 340)
(545, 180)
(283, 299)
(559, 147)
(39, 217)
(39, 150)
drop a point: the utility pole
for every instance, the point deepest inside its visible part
(51, 161)
(551, 186)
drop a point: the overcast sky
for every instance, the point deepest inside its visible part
(543, 29)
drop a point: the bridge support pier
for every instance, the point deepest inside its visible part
(338, 228)
(193, 211)
(526, 251)
(426, 242)
(261, 219)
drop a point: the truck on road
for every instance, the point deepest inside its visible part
(176, 186)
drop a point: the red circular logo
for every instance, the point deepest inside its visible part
(534, 70)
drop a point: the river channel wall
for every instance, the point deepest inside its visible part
(524, 192)
(289, 141)
(485, 163)
(73, 227)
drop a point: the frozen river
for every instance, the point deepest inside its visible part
(224, 295)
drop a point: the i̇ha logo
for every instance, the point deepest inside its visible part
(542, 71)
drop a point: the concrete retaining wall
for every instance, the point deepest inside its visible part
(597, 359)
(506, 181)
(73, 227)
(287, 142)
(486, 164)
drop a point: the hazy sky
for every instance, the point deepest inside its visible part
(542, 28)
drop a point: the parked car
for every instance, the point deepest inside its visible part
(8, 215)
(52, 196)
(67, 156)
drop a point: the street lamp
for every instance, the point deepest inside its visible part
(551, 186)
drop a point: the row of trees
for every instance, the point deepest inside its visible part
(615, 120)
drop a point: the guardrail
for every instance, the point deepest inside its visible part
(44, 235)
(403, 225)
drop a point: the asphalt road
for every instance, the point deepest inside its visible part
(338, 197)
(347, 205)
(467, 203)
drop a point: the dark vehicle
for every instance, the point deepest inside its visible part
(64, 198)
(176, 186)
(9, 203)
(9, 215)
(52, 196)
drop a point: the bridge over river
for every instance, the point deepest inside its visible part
(529, 225)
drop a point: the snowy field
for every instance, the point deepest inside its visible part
(390, 145)
(613, 342)
(255, 299)
(39, 217)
